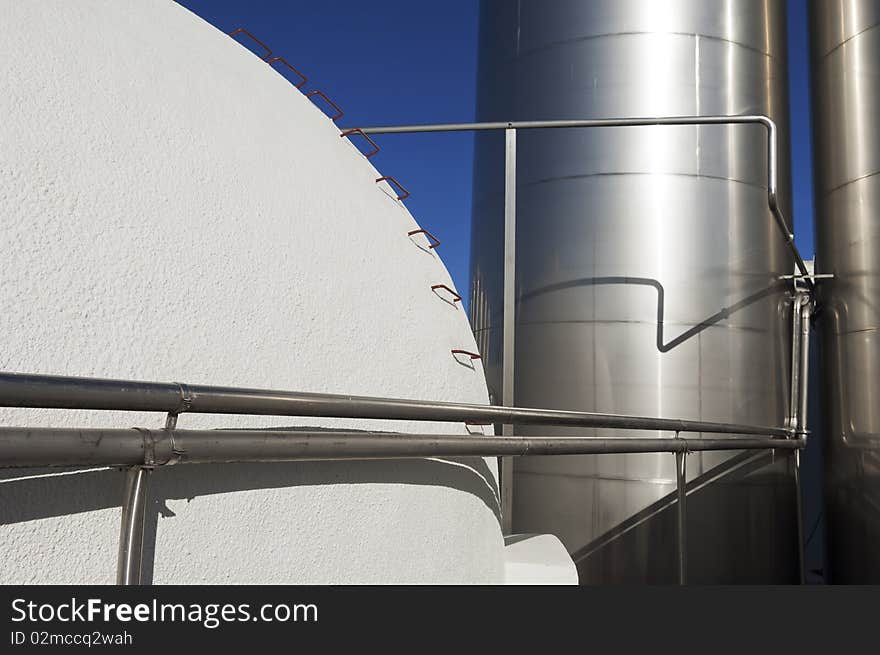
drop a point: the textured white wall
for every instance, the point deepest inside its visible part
(173, 209)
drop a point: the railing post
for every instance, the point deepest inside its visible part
(806, 310)
(794, 403)
(130, 559)
(507, 384)
(803, 307)
(794, 416)
(681, 506)
(131, 537)
(799, 505)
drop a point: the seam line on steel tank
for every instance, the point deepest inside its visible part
(569, 178)
(848, 182)
(875, 328)
(522, 470)
(610, 478)
(848, 39)
(580, 39)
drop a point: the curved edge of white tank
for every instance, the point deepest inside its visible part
(174, 209)
(537, 559)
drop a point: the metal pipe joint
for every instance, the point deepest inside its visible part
(159, 448)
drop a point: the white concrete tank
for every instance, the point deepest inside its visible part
(174, 209)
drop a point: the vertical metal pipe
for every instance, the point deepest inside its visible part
(131, 537)
(681, 488)
(794, 406)
(507, 396)
(794, 416)
(804, 310)
(800, 515)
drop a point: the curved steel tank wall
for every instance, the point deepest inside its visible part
(846, 106)
(648, 267)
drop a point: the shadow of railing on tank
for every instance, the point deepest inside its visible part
(469, 475)
(653, 526)
(39, 493)
(778, 287)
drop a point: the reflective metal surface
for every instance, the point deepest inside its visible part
(845, 53)
(131, 534)
(647, 264)
(67, 392)
(29, 447)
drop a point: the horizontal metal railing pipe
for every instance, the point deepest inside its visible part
(635, 121)
(45, 391)
(26, 447)
(642, 121)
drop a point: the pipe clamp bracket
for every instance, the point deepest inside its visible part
(159, 449)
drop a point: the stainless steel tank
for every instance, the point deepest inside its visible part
(845, 53)
(647, 270)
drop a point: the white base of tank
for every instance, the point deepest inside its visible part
(537, 559)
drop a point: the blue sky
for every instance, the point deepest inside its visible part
(395, 61)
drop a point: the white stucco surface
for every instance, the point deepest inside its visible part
(531, 559)
(173, 209)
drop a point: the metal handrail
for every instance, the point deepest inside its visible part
(141, 450)
(642, 121)
(124, 447)
(144, 449)
(60, 392)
